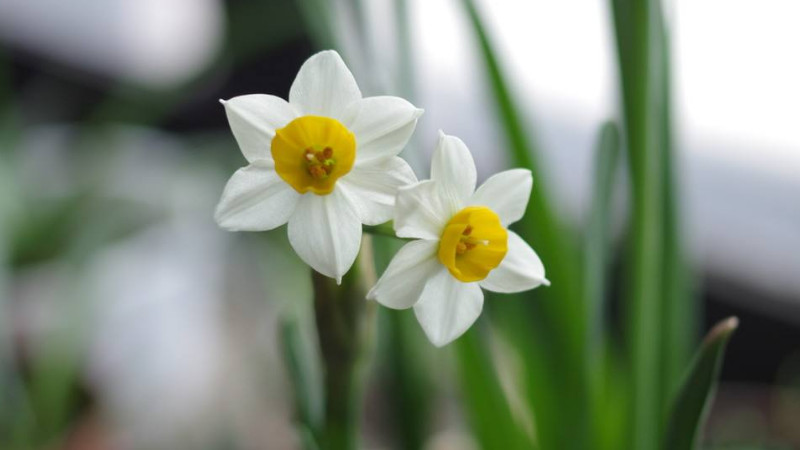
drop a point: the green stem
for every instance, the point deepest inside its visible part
(344, 325)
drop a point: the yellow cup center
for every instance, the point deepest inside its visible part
(312, 152)
(473, 243)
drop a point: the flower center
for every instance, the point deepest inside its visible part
(312, 152)
(473, 243)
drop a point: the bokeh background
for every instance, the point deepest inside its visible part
(129, 320)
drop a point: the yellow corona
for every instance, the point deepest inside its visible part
(473, 243)
(312, 152)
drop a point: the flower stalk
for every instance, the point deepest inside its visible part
(345, 324)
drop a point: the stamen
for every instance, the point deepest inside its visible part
(317, 172)
(468, 243)
(320, 163)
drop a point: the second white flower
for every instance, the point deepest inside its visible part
(463, 244)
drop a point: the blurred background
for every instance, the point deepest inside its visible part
(128, 320)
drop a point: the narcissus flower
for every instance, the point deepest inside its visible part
(463, 244)
(325, 162)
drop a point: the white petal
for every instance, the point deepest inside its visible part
(506, 193)
(421, 211)
(254, 119)
(520, 270)
(324, 86)
(382, 125)
(453, 168)
(256, 199)
(448, 307)
(402, 283)
(325, 232)
(372, 188)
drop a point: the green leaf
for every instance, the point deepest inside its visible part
(679, 310)
(596, 259)
(488, 410)
(691, 404)
(296, 358)
(553, 349)
(597, 237)
(634, 26)
(405, 359)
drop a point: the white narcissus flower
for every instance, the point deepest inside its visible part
(463, 244)
(325, 162)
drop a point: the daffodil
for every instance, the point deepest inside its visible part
(325, 162)
(463, 244)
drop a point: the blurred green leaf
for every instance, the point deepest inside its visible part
(596, 259)
(488, 410)
(296, 359)
(679, 313)
(287, 286)
(554, 348)
(53, 390)
(633, 23)
(597, 253)
(692, 401)
(406, 363)
(76, 225)
(319, 21)
(407, 379)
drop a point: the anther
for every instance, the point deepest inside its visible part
(317, 172)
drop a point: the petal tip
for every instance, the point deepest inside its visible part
(441, 341)
(373, 291)
(222, 101)
(219, 218)
(329, 51)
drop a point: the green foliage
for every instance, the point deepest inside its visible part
(487, 407)
(582, 392)
(694, 397)
(597, 255)
(555, 350)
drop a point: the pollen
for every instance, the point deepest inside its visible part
(473, 243)
(312, 152)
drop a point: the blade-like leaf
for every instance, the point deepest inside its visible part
(596, 259)
(691, 404)
(405, 360)
(633, 24)
(487, 408)
(597, 240)
(679, 310)
(554, 351)
(307, 399)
